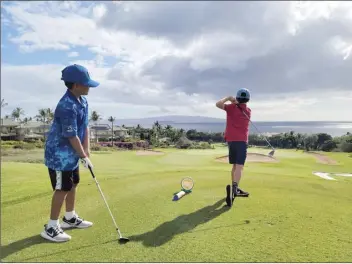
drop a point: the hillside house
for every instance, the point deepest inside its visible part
(103, 131)
(13, 130)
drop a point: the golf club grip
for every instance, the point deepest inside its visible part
(91, 171)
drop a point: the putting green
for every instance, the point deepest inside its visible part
(291, 215)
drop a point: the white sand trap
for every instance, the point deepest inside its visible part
(322, 158)
(323, 175)
(149, 153)
(251, 157)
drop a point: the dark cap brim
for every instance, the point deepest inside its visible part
(93, 84)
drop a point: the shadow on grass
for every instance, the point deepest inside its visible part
(181, 224)
(19, 245)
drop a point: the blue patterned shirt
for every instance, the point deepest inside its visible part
(70, 119)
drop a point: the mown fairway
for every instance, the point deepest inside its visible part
(290, 216)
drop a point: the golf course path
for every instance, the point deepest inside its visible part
(322, 158)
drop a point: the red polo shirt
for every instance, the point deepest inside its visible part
(237, 124)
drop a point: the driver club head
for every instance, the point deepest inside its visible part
(271, 153)
(123, 240)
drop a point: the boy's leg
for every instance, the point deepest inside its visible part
(60, 184)
(241, 150)
(232, 160)
(233, 173)
(71, 218)
(56, 204)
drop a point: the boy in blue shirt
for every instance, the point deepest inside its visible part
(68, 143)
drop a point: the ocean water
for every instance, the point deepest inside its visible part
(332, 128)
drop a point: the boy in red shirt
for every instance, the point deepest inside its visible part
(236, 135)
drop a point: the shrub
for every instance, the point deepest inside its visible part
(205, 145)
(328, 145)
(184, 143)
(126, 145)
(9, 142)
(24, 145)
(95, 147)
(38, 144)
(346, 147)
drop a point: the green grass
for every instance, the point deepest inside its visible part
(290, 216)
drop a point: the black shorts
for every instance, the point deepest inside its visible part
(237, 152)
(64, 180)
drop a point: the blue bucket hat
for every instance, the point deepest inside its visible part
(78, 74)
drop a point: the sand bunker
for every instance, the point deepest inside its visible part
(149, 153)
(343, 174)
(251, 157)
(322, 158)
(323, 175)
(327, 175)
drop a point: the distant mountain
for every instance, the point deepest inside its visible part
(165, 120)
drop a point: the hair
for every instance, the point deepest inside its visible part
(242, 100)
(69, 85)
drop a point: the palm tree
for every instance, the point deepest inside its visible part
(45, 115)
(3, 103)
(26, 120)
(112, 120)
(17, 113)
(157, 129)
(95, 117)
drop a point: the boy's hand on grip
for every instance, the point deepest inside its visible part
(86, 162)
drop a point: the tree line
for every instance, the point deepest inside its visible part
(160, 135)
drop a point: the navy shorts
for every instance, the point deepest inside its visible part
(237, 152)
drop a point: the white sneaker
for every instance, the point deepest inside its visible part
(55, 234)
(75, 222)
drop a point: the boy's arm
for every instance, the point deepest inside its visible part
(221, 103)
(86, 145)
(76, 144)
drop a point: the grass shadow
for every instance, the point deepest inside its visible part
(181, 224)
(19, 245)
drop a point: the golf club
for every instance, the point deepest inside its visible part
(271, 153)
(122, 240)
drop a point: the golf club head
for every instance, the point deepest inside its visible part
(123, 240)
(271, 153)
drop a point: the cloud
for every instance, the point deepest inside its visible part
(286, 47)
(73, 54)
(179, 57)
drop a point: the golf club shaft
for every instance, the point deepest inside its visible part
(256, 128)
(113, 219)
(106, 203)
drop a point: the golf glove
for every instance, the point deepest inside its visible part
(86, 162)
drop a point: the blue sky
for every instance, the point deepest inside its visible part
(12, 54)
(156, 65)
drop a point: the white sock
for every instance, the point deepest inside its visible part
(69, 215)
(53, 223)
